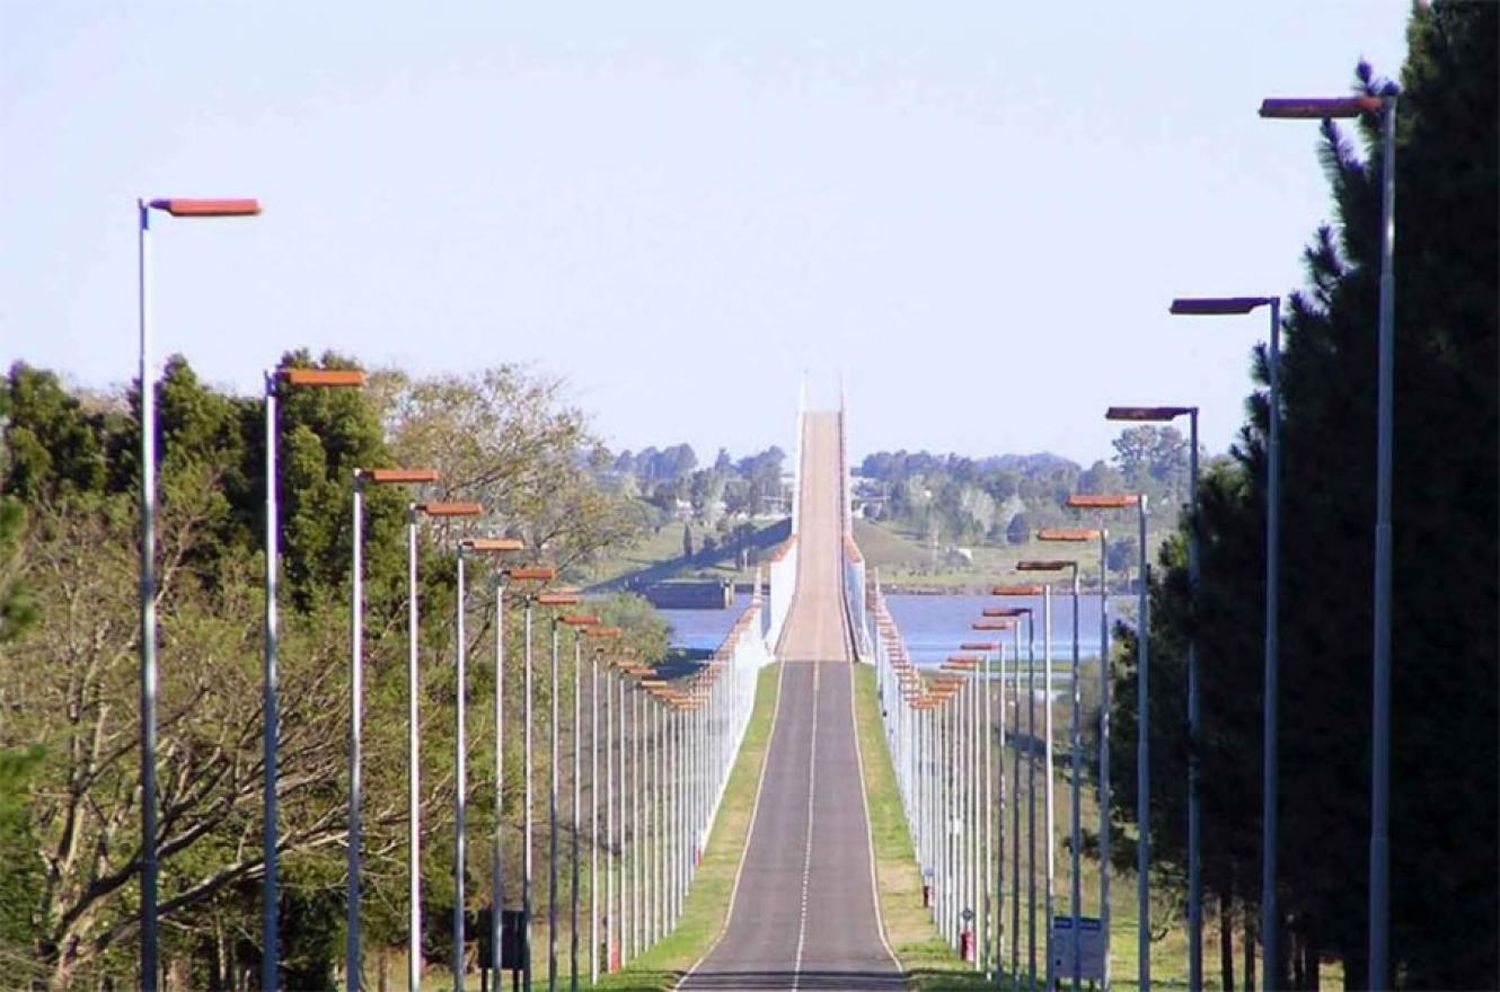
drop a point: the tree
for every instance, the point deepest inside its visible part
(1018, 531)
(1443, 812)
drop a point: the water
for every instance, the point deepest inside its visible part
(933, 626)
(703, 630)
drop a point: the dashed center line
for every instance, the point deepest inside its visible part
(812, 790)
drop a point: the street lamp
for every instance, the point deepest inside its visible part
(1233, 305)
(1076, 747)
(557, 598)
(558, 622)
(177, 207)
(1380, 765)
(377, 476)
(1083, 535)
(436, 510)
(270, 677)
(525, 573)
(965, 669)
(1015, 613)
(477, 545)
(1166, 414)
(987, 793)
(1030, 589)
(597, 633)
(1118, 501)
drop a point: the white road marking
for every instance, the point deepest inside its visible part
(812, 791)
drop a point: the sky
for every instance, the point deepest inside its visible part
(972, 215)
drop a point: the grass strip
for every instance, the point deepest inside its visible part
(927, 959)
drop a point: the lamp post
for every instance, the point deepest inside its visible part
(1014, 613)
(1380, 765)
(1233, 305)
(1050, 818)
(150, 954)
(597, 633)
(557, 599)
(987, 805)
(473, 546)
(994, 825)
(1117, 501)
(534, 574)
(1079, 535)
(1075, 746)
(443, 511)
(528, 574)
(579, 624)
(965, 670)
(1166, 414)
(1033, 589)
(270, 677)
(377, 476)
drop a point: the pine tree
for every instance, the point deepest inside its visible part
(1443, 816)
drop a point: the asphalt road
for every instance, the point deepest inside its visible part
(804, 913)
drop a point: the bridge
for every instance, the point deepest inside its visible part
(804, 912)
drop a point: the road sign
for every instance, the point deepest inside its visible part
(1089, 942)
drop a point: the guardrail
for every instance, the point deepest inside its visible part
(855, 594)
(781, 578)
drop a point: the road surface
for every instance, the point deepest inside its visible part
(804, 913)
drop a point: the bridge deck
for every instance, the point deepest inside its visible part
(804, 913)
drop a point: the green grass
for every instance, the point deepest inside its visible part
(926, 958)
(905, 560)
(932, 965)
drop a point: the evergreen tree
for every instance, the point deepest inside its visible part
(1443, 813)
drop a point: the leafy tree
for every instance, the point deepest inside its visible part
(1019, 529)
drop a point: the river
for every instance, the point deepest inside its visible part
(933, 626)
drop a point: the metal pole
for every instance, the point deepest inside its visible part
(658, 817)
(1031, 798)
(413, 781)
(577, 802)
(356, 755)
(1143, 763)
(150, 962)
(270, 883)
(1050, 792)
(1077, 748)
(1015, 817)
(527, 840)
(594, 823)
(998, 923)
(497, 893)
(637, 921)
(1105, 820)
(1195, 820)
(1380, 771)
(611, 919)
(552, 823)
(1270, 785)
(460, 787)
(986, 921)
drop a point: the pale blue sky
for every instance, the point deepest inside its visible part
(976, 212)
